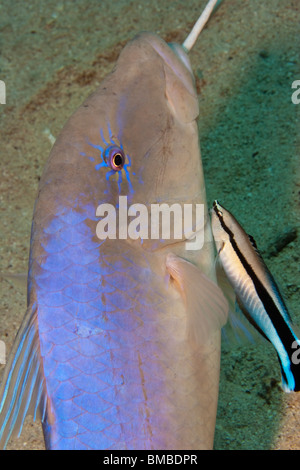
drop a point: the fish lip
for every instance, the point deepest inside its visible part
(173, 60)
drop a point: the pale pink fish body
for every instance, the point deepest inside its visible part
(120, 347)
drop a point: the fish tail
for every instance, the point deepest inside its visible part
(290, 364)
(22, 390)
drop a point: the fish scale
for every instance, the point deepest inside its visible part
(95, 350)
(120, 344)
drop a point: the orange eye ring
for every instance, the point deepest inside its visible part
(115, 157)
(117, 160)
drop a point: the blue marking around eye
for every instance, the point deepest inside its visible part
(127, 172)
(103, 138)
(104, 164)
(85, 155)
(111, 172)
(100, 165)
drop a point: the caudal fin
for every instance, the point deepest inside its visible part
(290, 369)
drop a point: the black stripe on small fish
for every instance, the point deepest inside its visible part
(286, 336)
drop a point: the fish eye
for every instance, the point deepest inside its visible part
(115, 157)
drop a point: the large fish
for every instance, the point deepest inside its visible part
(120, 345)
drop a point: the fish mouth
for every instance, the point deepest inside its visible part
(176, 58)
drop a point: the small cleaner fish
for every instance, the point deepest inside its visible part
(257, 293)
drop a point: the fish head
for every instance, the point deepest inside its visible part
(135, 136)
(222, 225)
(155, 121)
(227, 230)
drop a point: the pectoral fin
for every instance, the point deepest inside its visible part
(207, 308)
